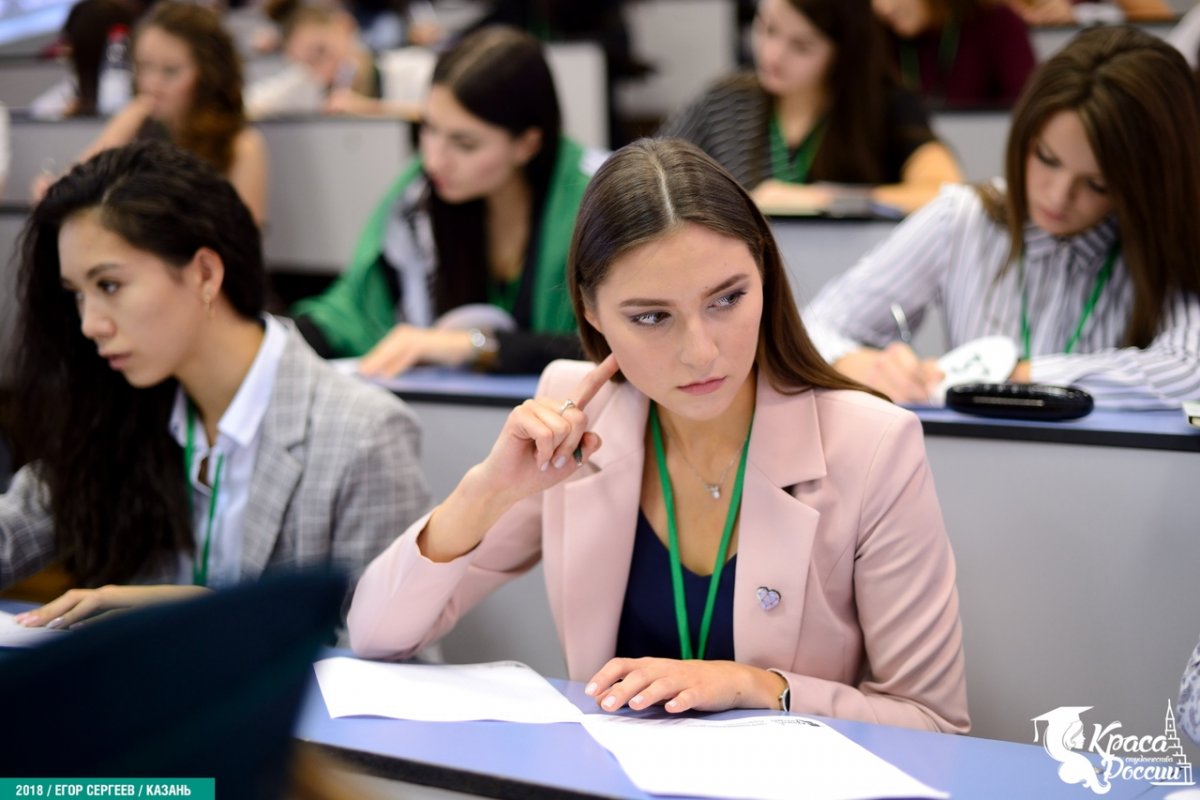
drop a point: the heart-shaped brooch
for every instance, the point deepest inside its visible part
(767, 598)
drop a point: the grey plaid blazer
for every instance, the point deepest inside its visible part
(337, 477)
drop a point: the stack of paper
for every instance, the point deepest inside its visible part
(504, 690)
(767, 758)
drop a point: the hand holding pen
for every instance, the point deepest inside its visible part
(543, 442)
(896, 370)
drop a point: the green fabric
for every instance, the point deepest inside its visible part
(357, 310)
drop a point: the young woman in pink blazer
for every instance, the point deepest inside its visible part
(725, 522)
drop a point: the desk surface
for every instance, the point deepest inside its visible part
(497, 759)
(1148, 430)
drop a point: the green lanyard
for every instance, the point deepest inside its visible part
(200, 565)
(1101, 282)
(681, 614)
(794, 170)
(910, 65)
(504, 295)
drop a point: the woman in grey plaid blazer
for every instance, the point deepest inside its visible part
(177, 438)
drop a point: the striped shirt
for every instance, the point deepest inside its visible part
(1189, 695)
(951, 253)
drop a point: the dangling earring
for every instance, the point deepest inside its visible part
(208, 304)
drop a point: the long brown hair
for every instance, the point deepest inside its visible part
(1140, 110)
(216, 115)
(648, 189)
(859, 83)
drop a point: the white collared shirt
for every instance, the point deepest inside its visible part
(239, 432)
(951, 253)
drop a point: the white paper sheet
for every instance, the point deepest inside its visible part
(503, 690)
(14, 635)
(767, 758)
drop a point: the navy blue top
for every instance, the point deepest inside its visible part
(648, 626)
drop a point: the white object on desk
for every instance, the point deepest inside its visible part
(14, 635)
(772, 758)
(502, 690)
(990, 359)
(1191, 412)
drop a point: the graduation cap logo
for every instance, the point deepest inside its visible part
(1063, 734)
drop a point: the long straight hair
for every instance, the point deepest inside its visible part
(644, 192)
(1140, 110)
(112, 472)
(216, 115)
(859, 83)
(499, 75)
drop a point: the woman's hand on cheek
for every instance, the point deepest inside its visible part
(681, 685)
(545, 439)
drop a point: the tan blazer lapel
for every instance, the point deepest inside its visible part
(598, 522)
(776, 531)
(278, 465)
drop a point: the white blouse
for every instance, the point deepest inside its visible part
(239, 432)
(951, 253)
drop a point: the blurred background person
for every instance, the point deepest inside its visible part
(959, 52)
(820, 105)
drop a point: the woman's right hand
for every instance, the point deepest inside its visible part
(895, 370)
(541, 436)
(543, 441)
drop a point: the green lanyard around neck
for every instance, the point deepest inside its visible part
(1097, 288)
(681, 614)
(200, 564)
(504, 295)
(794, 170)
(910, 65)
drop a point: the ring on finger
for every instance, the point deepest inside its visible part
(568, 403)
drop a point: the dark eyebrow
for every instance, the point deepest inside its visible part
(643, 301)
(92, 273)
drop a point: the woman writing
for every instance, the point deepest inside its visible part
(178, 438)
(189, 91)
(1088, 257)
(820, 106)
(483, 216)
(727, 522)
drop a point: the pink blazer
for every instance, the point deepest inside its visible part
(839, 516)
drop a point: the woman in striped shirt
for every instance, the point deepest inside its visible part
(1088, 256)
(820, 105)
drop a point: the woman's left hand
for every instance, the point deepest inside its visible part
(80, 604)
(682, 685)
(405, 346)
